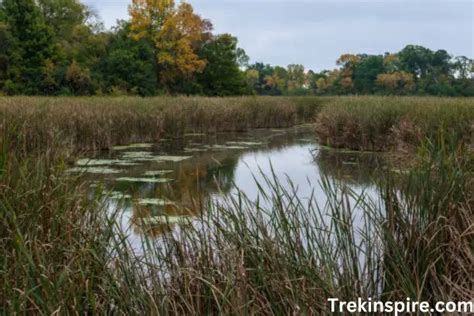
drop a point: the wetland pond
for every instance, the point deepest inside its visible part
(160, 185)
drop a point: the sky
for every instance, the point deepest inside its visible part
(315, 33)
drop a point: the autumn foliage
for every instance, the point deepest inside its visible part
(176, 33)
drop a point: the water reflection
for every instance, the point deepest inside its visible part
(220, 164)
(350, 168)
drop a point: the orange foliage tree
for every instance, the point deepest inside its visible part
(177, 34)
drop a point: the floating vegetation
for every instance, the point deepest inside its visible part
(306, 140)
(144, 180)
(192, 150)
(245, 143)
(350, 163)
(226, 147)
(157, 173)
(157, 202)
(139, 156)
(86, 162)
(95, 170)
(172, 158)
(116, 195)
(125, 147)
(194, 134)
(166, 220)
(126, 164)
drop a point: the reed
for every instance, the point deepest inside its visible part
(62, 252)
(99, 123)
(393, 123)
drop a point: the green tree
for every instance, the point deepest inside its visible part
(33, 47)
(64, 15)
(129, 65)
(416, 59)
(366, 72)
(222, 75)
(7, 56)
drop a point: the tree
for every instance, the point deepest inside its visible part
(33, 43)
(79, 79)
(252, 77)
(396, 82)
(222, 75)
(129, 65)
(327, 83)
(416, 59)
(177, 35)
(348, 63)
(263, 71)
(7, 57)
(464, 67)
(63, 15)
(366, 72)
(178, 43)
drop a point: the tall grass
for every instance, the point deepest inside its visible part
(393, 123)
(61, 252)
(100, 123)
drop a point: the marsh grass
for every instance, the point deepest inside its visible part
(101, 123)
(393, 123)
(63, 253)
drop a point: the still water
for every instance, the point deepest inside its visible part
(165, 184)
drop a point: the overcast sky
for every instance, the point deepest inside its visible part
(315, 32)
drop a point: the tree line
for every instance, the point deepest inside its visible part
(60, 47)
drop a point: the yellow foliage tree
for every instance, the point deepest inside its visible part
(401, 81)
(347, 63)
(275, 82)
(326, 83)
(149, 16)
(177, 34)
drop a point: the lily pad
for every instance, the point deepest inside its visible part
(192, 150)
(157, 173)
(139, 156)
(125, 147)
(164, 220)
(158, 202)
(307, 140)
(225, 147)
(86, 162)
(353, 163)
(95, 170)
(245, 143)
(145, 180)
(172, 158)
(126, 164)
(116, 195)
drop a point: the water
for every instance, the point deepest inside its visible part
(164, 185)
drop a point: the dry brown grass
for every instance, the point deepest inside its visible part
(99, 123)
(393, 123)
